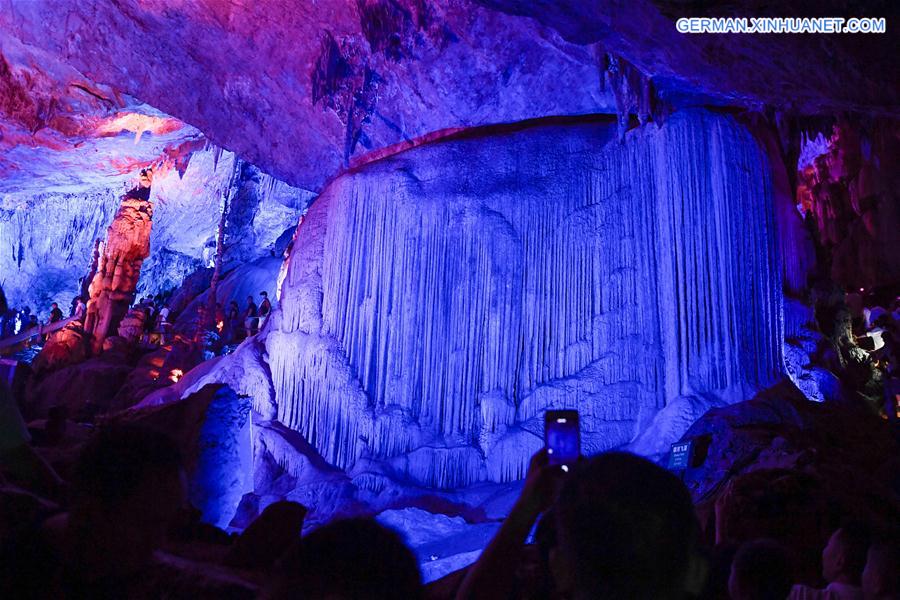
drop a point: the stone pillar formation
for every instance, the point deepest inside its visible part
(127, 245)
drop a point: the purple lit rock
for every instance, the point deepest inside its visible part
(796, 73)
(69, 148)
(782, 467)
(212, 429)
(301, 88)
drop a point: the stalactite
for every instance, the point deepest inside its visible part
(632, 90)
(208, 322)
(436, 302)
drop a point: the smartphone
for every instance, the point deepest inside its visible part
(562, 437)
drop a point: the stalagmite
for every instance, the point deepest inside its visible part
(119, 267)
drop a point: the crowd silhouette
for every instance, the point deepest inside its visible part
(615, 526)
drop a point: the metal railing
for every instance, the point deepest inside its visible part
(40, 330)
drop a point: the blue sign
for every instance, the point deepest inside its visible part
(680, 457)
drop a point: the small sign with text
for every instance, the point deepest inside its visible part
(680, 456)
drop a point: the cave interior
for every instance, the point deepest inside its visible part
(348, 254)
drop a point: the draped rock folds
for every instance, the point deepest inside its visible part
(127, 245)
(436, 302)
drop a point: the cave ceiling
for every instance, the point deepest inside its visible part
(305, 89)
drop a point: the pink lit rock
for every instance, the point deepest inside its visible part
(112, 289)
(301, 88)
(68, 346)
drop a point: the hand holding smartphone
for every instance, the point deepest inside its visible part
(562, 437)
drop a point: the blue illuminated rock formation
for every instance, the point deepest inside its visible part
(436, 302)
(47, 239)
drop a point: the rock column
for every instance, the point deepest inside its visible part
(127, 245)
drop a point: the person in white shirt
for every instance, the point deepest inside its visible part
(162, 323)
(843, 560)
(164, 314)
(80, 309)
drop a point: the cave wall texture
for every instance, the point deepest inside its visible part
(298, 88)
(70, 148)
(47, 239)
(852, 193)
(437, 301)
(301, 89)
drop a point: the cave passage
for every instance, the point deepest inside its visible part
(454, 299)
